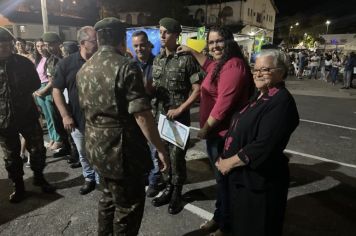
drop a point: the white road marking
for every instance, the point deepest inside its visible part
(319, 158)
(194, 128)
(345, 137)
(332, 125)
(199, 211)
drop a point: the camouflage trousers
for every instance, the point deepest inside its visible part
(121, 206)
(178, 172)
(11, 146)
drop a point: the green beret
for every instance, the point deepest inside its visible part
(5, 35)
(110, 23)
(51, 37)
(170, 24)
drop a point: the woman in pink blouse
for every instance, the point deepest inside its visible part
(226, 88)
(44, 97)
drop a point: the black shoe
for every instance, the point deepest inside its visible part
(153, 190)
(61, 153)
(39, 180)
(176, 203)
(75, 165)
(74, 156)
(164, 198)
(19, 194)
(87, 187)
(72, 160)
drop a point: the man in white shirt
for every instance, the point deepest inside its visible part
(314, 64)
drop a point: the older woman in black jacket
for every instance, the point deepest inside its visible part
(253, 157)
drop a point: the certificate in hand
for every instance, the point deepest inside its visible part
(173, 131)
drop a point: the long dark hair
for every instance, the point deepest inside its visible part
(38, 56)
(231, 49)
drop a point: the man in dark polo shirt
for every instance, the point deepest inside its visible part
(73, 118)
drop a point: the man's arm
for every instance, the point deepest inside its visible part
(58, 98)
(147, 125)
(173, 113)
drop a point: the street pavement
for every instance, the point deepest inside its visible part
(321, 201)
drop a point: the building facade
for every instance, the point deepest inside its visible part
(250, 17)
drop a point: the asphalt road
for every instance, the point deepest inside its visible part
(322, 197)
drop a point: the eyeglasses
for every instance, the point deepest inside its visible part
(219, 42)
(264, 70)
(91, 41)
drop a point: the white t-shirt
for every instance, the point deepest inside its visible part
(315, 61)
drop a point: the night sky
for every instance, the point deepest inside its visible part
(330, 8)
(342, 13)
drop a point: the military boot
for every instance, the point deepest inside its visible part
(19, 194)
(39, 180)
(176, 203)
(164, 198)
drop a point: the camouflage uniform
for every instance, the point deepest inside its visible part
(173, 77)
(18, 114)
(111, 90)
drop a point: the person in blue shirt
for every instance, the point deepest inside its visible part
(144, 57)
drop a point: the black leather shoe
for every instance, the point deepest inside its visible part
(176, 203)
(75, 165)
(164, 198)
(19, 194)
(87, 187)
(39, 180)
(61, 153)
(153, 190)
(72, 160)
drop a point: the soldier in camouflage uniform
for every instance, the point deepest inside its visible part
(118, 118)
(19, 115)
(176, 80)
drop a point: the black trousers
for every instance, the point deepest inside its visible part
(11, 146)
(258, 213)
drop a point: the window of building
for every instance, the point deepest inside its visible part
(259, 18)
(200, 16)
(128, 19)
(141, 19)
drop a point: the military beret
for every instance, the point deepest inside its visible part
(51, 37)
(5, 35)
(110, 23)
(170, 24)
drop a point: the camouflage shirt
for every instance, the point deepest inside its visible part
(18, 80)
(111, 90)
(51, 64)
(173, 76)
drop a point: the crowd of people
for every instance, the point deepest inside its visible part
(330, 66)
(101, 107)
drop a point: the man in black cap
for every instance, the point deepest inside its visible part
(118, 120)
(19, 115)
(176, 79)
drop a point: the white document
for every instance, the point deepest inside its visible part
(173, 131)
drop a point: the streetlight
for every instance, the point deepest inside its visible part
(327, 26)
(44, 15)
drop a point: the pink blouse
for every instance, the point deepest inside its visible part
(228, 93)
(41, 70)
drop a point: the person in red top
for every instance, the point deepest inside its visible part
(227, 87)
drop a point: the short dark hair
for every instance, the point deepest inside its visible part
(111, 37)
(140, 33)
(21, 40)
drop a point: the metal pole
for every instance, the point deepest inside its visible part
(206, 13)
(44, 16)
